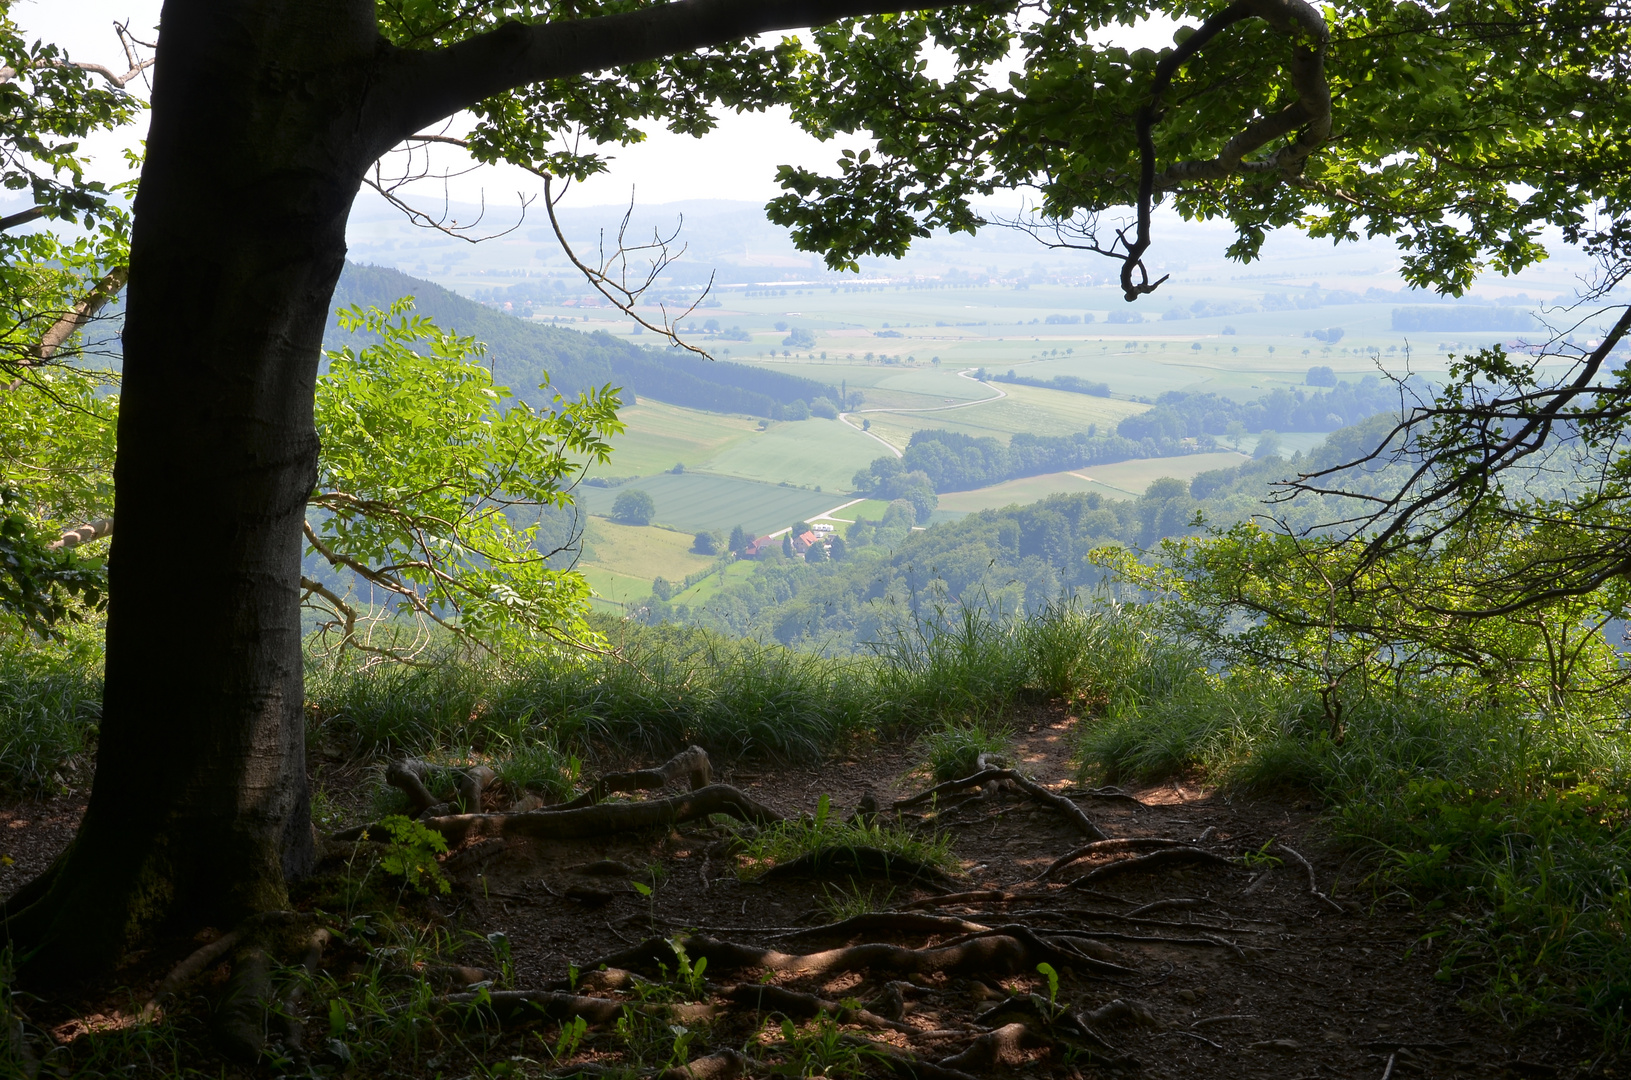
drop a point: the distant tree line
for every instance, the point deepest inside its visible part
(1180, 414)
(951, 461)
(1069, 383)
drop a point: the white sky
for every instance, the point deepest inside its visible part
(736, 161)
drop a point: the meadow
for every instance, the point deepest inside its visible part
(693, 502)
(660, 436)
(1121, 480)
(821, 454)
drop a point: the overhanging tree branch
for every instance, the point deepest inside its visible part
(428, 86)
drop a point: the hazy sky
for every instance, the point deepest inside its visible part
(736, 161)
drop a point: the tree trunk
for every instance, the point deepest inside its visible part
(199, 810)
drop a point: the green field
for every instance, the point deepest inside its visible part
(1025, 408)
(871, 509)
(1121, 480)
(658, 552)
(659, 436)
(693, 501)
(813, 453)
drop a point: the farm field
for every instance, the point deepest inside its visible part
(816, 453)
(1122, 480)
(871, 509)
(1025, 408)
(694, 501)
(658, 552)
(1133, 477)
(659, 436)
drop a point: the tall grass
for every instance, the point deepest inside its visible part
(1513, 824)
(50, 701)
(669, 686)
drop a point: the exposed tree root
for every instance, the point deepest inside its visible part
(1072, 813)
(289, 1021)
(1112, 793)
(513, 1006)
(1165, 859)
(188, 970)
(692, 763)
(1004, 1046)
(1313, 882)
(1008, 951)
(1107, 847)
(899, 922)
(869, 861)
(720, 1065)
(799, 1006)
(411, 776)
(600, 820)
(979, 896)
(1185, 902)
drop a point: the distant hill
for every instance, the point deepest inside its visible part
(523, 352)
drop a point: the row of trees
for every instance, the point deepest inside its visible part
(1180, 414)
(937, 460)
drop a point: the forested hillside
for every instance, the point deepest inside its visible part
(1019, 558)
(523, 353)
(1183, 414)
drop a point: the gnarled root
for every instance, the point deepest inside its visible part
(1107, 847)
(898, 922)
(798, 1006)
(1008, 951)
(601, 820)
(411, 776)
(868, 861)
(692, 763)
(1069, 810)
(249, 1006)
(723, 1064)
(1165, 859)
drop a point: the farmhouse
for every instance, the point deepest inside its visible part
(760, 546)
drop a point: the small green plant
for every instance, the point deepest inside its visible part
(410, 854)
(840, 904)
(569, 1039)
(1261, 859)
(820, 1051)
(953, 751)
(537, 765)
(1048, 972)
(690, 975)
(787, 840)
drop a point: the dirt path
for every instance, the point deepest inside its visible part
(1270, 982)
(1244, 973)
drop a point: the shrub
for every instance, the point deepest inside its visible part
(634, 508)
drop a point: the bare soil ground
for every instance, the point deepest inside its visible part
(1244, 973)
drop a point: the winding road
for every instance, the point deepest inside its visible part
(964, 374)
